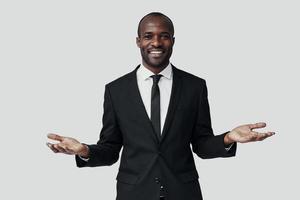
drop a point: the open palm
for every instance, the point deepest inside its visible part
(66, 145)
(245, 133)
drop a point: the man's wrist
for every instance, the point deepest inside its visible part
(85, 152)
(227, 140)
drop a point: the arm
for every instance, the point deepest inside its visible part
(205, 144)
(105, 152)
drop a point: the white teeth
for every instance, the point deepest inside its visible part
(156, 52)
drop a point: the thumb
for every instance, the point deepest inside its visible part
(258, 125)
(55, 137)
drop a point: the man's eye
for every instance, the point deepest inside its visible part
(165, 36)
(147, 37)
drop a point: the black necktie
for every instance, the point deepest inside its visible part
(155, 104)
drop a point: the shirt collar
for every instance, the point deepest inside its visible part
(145, 73)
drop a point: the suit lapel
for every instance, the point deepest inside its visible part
(138, 105)
(174, 99)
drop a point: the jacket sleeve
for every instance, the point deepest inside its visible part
(107, 149)
(204, 143)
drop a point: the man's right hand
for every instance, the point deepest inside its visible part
(68, 145)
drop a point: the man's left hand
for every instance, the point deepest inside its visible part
(245, 133)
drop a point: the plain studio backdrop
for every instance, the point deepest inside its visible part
(56, 57)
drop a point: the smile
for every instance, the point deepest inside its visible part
(155, 53)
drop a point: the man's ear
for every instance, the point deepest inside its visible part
(173, 40)
(138, 42)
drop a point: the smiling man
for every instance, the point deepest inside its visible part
(155, 113)
(155, 40)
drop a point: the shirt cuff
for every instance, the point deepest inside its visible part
(84, 159)
(229, 147)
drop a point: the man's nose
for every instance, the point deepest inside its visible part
(156, 42)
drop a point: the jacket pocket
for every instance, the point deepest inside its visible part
(127, 178)
(189, 176)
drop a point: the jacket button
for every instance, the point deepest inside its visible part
(156, 180)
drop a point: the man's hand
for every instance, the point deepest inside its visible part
(67, 145)
(245, 133)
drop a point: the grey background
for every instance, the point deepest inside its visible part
(56, 56)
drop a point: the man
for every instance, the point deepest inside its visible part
(155, 112)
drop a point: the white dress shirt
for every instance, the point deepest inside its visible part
(145, 83)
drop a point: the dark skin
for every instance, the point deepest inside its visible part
(156, 42)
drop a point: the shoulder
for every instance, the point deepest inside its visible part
(189, 77)
(122, 81)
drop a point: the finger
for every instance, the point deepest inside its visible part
(263, 136)
(252, 137)
(63, 148)
(59, 148)
(257, 125)
(55, 137)
(52, 147)
(256, 136)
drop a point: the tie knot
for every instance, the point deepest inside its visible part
(156, 78)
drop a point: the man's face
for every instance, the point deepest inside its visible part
(155, 42)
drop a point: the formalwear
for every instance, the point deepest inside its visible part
(149, 160)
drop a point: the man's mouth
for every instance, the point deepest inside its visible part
(155, 52)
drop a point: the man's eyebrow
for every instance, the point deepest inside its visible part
(145, 33)
(166, 33)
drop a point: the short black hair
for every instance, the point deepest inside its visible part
(156, 14)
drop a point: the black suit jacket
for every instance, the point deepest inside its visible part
(149, 160)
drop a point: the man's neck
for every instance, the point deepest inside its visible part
(156, 70)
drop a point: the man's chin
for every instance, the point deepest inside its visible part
(158, 65)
